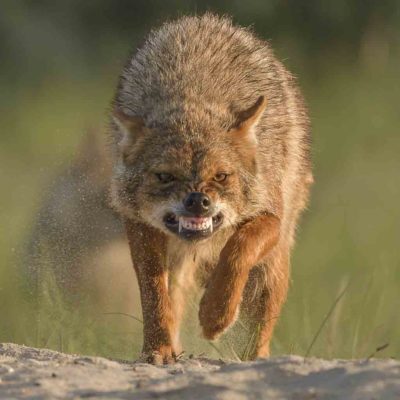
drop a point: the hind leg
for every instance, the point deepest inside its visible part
(263, 299)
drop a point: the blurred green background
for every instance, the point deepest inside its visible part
(59, 63)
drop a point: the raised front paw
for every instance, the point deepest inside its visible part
(217, 313)
(160, 356)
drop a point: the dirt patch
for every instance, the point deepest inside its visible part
(29, 373)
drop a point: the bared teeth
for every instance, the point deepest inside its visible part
(195, 224)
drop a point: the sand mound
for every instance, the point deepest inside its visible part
(29, 373)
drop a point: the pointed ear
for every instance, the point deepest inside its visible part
(131, 128)
(247, 120)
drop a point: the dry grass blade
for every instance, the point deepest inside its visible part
(125, 315)
(325, 320)
(180, 356)
(234, 353)
(377, 350)
(216, 349)
(250, 344)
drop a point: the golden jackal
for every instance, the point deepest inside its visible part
(211, 170)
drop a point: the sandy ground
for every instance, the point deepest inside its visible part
(29, 373)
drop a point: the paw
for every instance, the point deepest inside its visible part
(216, 316)
(161, 356)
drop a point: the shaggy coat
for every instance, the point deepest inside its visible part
(211, 171)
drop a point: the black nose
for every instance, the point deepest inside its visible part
(197, 203)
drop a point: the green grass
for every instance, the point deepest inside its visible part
(347, 239)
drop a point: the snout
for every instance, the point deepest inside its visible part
(198, 218)
(197, 203)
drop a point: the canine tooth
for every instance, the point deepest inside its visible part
(180, 224)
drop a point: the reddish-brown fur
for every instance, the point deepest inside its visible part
(205, 108)
(149, 265)
(250, 244)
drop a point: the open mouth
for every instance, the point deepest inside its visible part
(193, 227)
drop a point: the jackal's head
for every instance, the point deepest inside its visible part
(189, 184)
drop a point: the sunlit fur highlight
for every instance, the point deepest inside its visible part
(201, 96)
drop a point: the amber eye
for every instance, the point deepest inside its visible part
(165, 177)
(220, 177)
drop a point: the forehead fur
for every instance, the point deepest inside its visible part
(180, 94)
(185, 155)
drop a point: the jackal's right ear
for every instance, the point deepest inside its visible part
(131, 128)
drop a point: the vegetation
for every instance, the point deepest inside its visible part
(57, 75)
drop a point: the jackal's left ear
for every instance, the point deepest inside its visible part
(244, 128)
(131, 128)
